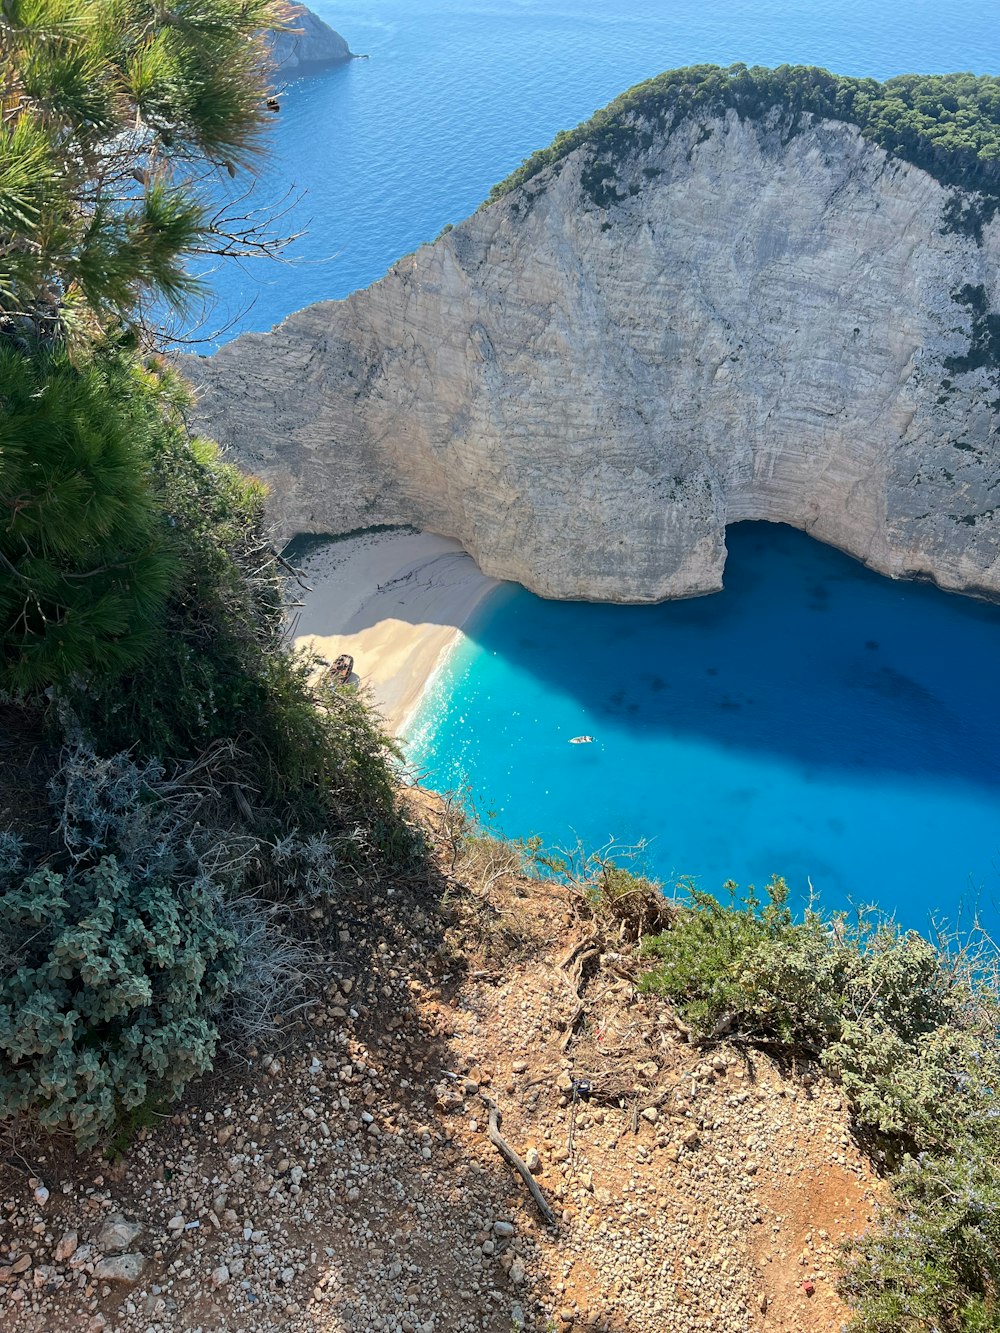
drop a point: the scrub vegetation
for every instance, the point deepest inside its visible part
(948, 124)
(200, 790)
(911, 1031)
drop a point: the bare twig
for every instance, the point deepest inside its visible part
(511, 1157)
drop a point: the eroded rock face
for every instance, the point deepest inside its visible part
(586, 381)
(310, 43)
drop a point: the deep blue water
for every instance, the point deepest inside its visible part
(458, 92)
(813, 720)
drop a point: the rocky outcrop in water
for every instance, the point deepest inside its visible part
(307, 45)
(586, 381)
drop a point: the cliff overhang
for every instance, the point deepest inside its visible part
(693, 316)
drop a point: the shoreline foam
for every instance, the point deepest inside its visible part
(396, 601)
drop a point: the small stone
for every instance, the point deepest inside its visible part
(532, 1161)
(21, 1265)
(41, 1196)
(503, 1229)
(97, 1324)
(517, 1272)
(118, 1234)
(520, 1066)
(220, 1276)
(124, 1268)
(651, 1114)
(176, 1223)
(66, 1247)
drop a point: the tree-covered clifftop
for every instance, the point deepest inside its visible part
(947, 124)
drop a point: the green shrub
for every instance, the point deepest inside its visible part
(912, 1032)
(85, 558)
(753, 969)
(933, 1259)
(217, 669)
(110, 994)
(909, 1029)
(947, 124)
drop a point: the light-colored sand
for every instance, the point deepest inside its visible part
(396, 601)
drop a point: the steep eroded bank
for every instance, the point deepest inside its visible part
(721, 319)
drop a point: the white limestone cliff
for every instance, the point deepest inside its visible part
(757, 326)
(307, 44)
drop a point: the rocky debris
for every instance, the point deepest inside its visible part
(124, 1268)
(327, 1192)
(118, 1234)
(67, 1247)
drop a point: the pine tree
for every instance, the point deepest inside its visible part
(115, 117)
(84, 548)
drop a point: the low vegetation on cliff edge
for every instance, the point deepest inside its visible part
(947, 124)
(911, 1031)
(176, 791)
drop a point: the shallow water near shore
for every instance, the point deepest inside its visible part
(813, 720)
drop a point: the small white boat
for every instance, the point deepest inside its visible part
(580, 740)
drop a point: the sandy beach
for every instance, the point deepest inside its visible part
(396, 601)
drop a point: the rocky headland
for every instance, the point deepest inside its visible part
(308, 44)
(693, 320)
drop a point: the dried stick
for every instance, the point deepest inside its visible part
(511, 1157)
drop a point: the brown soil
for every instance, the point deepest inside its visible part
(344, 1181)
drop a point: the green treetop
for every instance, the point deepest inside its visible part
(948, 124)
(114, 116)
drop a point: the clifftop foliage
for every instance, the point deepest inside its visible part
(114, 115)
(947, 124)
(909, 1030)
(206, 788)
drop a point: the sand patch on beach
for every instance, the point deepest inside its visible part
(396, 601)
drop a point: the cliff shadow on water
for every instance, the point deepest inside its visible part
(805, 654)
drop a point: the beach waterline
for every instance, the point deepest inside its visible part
(395, 601)
(814, 720)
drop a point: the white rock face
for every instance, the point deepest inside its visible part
(311, 42)
(758, 327)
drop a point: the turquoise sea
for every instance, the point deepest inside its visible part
(813, 720)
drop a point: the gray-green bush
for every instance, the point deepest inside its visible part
(933, 1260)
(909, 1029)
(146, 937)
(109, 993)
